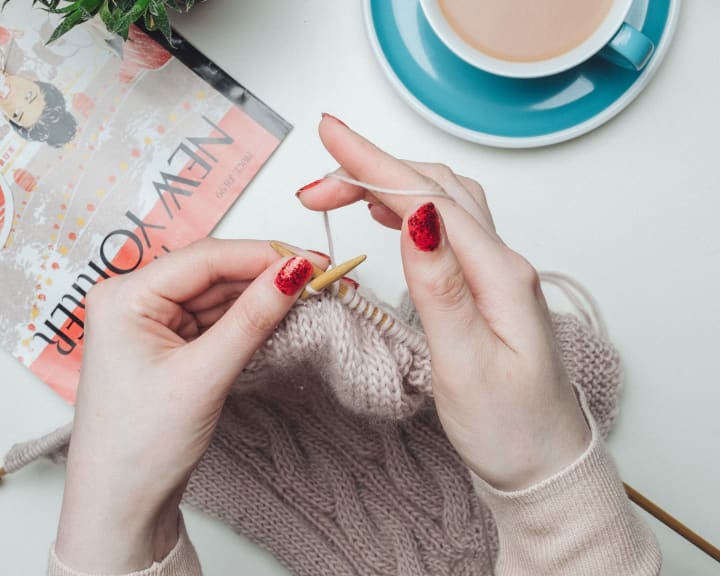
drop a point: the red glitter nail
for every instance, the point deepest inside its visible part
(308, 186)
(320, 254)
(424, 227)
(293, 275)
(326, 115)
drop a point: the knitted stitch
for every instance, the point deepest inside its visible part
(330, 454)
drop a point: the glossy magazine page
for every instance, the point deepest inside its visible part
(112, 154)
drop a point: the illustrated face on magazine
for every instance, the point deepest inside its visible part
(36, 110)
(21, 100)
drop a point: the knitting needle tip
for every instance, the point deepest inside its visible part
(333, 275)
(280, 249)
(286, 252)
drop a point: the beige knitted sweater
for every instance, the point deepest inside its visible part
(576, 523)
(348, 471)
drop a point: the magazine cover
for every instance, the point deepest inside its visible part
(112, 154)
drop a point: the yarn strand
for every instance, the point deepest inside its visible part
(383, 190)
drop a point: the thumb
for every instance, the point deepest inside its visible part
(437, 285)
(224, 350)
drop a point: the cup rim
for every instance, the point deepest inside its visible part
(593, 44)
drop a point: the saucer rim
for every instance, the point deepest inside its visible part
(549, 138)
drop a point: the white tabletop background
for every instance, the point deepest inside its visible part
(630, 210)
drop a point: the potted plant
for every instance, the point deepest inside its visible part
(117, 15)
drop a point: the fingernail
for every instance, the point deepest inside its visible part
(354, 283)
(293, 275)
(321, 254)
(326, 115)
(424, 228)
(308, 186)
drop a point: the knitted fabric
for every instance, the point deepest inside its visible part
(330, 454)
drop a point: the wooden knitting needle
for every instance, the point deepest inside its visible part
(3, 472)
(324, 279)
(280, 249)
(672, 523)
(342, 289)
(331, 276)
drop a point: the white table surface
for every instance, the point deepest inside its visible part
(630, 210)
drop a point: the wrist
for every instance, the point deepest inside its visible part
(561, 452)
(100, 537)
(537, 457)
(113, 521)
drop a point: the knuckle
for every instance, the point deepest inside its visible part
(100, 293)
(442, 171)
(199, 249)
(524, 273)
(478, 192)
(447, 290)
(201, 252)
(132, 296)
(254, 320)
(443, 175)
(203, 243)
(105, 299)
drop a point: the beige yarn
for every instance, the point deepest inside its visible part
(329, 451)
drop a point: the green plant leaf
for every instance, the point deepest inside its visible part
(117, 15)
(159, 18)
(66, 24)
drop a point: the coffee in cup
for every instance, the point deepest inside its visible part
(530, 38)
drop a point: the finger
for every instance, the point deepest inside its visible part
(438, 286)
(227, 346)
(208, 317)
(189, 272)
(217, 294)
(495, 275)
(478, 193)
(330, 193)
(364, 161)
(188, 328)
(224, 291)
(385, 216)
(454, 186)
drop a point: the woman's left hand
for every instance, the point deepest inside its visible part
(162, 349)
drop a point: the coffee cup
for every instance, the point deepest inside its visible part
(534, 38)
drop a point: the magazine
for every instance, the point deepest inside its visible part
(112, 154)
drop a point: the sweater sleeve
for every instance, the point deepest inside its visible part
(181, 561)
(577, 522)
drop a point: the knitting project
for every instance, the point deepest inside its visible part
(330, 454)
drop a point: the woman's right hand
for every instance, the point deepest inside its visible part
(502, 393)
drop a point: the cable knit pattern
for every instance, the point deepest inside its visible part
(331, 488)
(329, 451)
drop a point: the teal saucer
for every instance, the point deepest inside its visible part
(507, 112)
